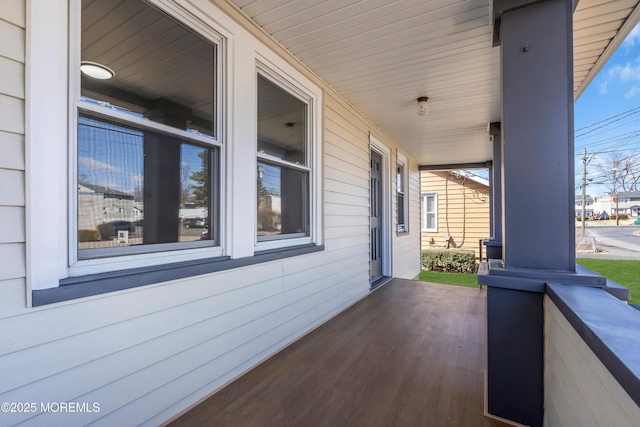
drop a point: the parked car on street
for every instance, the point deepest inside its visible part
(194, 222)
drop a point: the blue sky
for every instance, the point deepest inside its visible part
(607, 116)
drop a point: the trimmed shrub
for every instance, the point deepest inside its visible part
(622, 216)
(88, 235)
(449, 260)
(106, 231)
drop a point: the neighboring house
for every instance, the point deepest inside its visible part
(455, 210)
(98, 205)
(316, 103)
(628, 203)
(589, 206)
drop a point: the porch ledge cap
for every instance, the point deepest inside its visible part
(608, 326)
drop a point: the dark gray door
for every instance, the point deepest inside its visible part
(376, 216)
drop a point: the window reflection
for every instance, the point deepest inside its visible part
(164, 72)
(281, 123)
(140, 187)
(282, 201)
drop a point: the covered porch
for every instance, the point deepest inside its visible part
(410, 354)
(295, 321)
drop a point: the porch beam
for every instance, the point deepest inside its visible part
(456, 166)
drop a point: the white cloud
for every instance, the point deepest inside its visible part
(633, 38)
(136, 180)
(603, 87)
(626, 73)
(95, 165)
(635, 90)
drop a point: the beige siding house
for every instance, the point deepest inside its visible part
(455, 210)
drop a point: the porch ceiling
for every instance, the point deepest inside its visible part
(381, 55)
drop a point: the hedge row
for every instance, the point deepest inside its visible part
(88, 235)
(449, 260)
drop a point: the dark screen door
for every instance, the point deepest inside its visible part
(376, 216)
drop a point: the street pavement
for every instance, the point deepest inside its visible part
(614, 242)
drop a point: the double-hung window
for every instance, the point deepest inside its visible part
(146, 108)
(402, 203)
(283, 162)
(430, 212)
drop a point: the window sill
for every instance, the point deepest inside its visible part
(402, 233)
(96, 284)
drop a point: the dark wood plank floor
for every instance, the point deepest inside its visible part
(410, 354)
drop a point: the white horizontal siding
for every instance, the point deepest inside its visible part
(12, 81)
(579, 390)
(13, 37)
(12, 188)
(12, 149)
(13, 261)
(12, 297)
(12, 159)
(12, 113)
(13, 11)
(12, 224)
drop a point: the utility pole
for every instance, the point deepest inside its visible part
(615, 191)
(584, 190)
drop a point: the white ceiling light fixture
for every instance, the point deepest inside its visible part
(96, 71)
(423, 108)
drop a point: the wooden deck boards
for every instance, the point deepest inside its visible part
(410, 354)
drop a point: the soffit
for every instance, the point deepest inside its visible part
(381, 55)
(599, 27)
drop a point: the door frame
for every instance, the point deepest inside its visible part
(385, 152)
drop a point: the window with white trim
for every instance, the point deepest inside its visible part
(402, 202)
(283, 160)
(430, 212)
(135, 170)
(147, 132)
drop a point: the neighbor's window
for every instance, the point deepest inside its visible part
(283, 163)
(402, 201)
(147, 132)
(430, 212)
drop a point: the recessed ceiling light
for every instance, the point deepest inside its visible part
(96, 71)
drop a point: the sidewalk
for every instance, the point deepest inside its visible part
(607, 248)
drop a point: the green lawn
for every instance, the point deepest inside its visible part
(626, 273)
(458, 279)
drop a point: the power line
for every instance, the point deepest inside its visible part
(632, 111)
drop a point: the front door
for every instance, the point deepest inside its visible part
(376, 216)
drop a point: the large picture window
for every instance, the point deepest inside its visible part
(283, 163)
(147, 135)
